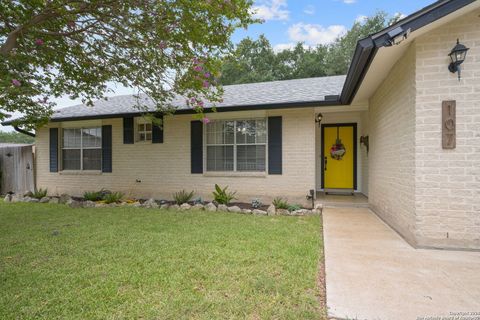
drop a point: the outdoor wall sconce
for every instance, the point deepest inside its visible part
(457, 55)
(318, 118)
(364, 141)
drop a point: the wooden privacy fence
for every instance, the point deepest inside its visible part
(16, 168)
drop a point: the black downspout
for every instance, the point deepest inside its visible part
(28, 133)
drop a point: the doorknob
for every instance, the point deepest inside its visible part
(325, 163)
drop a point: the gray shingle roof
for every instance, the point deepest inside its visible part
(262, 93)
(295, 91)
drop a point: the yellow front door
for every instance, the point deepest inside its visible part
(339, 155)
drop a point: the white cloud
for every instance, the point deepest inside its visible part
(361, 19)
(271, 10)
(288, 46)
(399, 15)
(349, 1)
(309, 10)
(283, 46)
(314, 34)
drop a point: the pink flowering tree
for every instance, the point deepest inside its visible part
(159, 47)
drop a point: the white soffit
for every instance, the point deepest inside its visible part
(386, 57)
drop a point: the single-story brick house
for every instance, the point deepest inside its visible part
(382, 133)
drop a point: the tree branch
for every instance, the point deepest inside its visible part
(11, 42)
(66, 34)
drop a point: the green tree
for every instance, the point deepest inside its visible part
(15, 137)
(341, 51)
(159, 47)
(302, 62)
(255, 60)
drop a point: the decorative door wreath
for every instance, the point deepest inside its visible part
(337, 151)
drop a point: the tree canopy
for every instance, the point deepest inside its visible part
(256, 60)
(15, 137)
(69, 47)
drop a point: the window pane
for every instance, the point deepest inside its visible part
(220, 132)
(71, 138)
(92, 159)
(228, 129)
(261, 131)
(241, 132)
(246, 131)
(149, 136)
(92, 138)
(220, 158)
(148, 127)
(71, 159)
(210, 129)
(251, 158)
(141, 127)
(142, 136)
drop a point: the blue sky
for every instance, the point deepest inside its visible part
(287, 22)
(317, 21)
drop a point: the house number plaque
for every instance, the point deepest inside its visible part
(448, 124)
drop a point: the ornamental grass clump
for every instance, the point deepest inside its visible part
(280, 203)
(114, 197)
(182, 197)
(39, 194)
(93, 195)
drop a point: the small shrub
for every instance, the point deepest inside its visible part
(113, 197)
(256, 203)
(39, 194)
(182, 197)
(222, 196)
(294, 207)
(93, 195)
(280, 203)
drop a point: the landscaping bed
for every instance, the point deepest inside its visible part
(278, 207)
(130, 263)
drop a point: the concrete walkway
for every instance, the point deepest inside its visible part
(372, 273)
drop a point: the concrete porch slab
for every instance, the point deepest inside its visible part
(372, 273)
(357, 200)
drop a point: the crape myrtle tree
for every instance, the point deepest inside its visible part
(51, 48)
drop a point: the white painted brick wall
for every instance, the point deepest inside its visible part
(447, 197)
(391, 163)
(165, 168)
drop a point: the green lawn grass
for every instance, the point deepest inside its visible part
(134, 263)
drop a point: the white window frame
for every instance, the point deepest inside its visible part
(235, 144)
(144, 122)
(81, 148)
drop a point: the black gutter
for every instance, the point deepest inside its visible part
(28, 133)
(423, 17)
(367, 48)
(362, 58)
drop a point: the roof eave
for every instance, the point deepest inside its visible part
(271, 106)
(367, 48)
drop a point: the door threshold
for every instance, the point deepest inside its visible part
(340, 192)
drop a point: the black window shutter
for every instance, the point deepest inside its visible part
(275, 145)
(106, 148)
(157, 133)
(196, 145)
(128, 132)
(53, 149)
